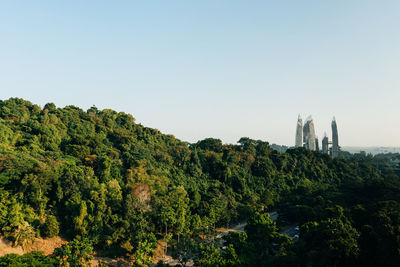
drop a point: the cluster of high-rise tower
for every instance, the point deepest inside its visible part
(305, 137)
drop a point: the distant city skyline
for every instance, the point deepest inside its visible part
(222, 69)
(305, 137)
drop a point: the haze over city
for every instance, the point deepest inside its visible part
(222, 69)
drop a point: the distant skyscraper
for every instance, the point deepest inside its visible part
(310, 141)
(309, 134)
(299, 132)
(335, 139)
(325, 144)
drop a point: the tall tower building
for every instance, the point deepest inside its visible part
(335, 139)
(316, 144)
(325, 144)
(299, 132)
(309, 134)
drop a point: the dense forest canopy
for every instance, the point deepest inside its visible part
(102, 181)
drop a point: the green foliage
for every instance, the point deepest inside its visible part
(74, 253)
(21, 234)
(51, 227)
(331, 242)
(105, 178)
(15, 224)
(184, 250)
(209, 255)
(145, 251)
(35, 258)
(210, 144)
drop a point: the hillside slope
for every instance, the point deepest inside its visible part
(98, 175)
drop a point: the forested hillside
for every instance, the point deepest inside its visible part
(100, 179)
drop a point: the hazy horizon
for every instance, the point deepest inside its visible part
(225, 69)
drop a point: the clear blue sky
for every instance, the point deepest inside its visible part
(223, 69)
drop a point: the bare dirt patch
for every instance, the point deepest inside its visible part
(46, 245)
(6, 248)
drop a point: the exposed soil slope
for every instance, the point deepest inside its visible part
(46, 245)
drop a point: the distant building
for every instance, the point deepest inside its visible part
(325, 144)
(309, 134)
(305, 137)
(335, 139)
(299, 132)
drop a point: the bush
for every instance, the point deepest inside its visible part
(75, 253)
(51, 227)
(35, 258)
(21, 235)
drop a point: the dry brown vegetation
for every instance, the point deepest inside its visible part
(46, 245)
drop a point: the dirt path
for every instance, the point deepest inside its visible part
(236, 228)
